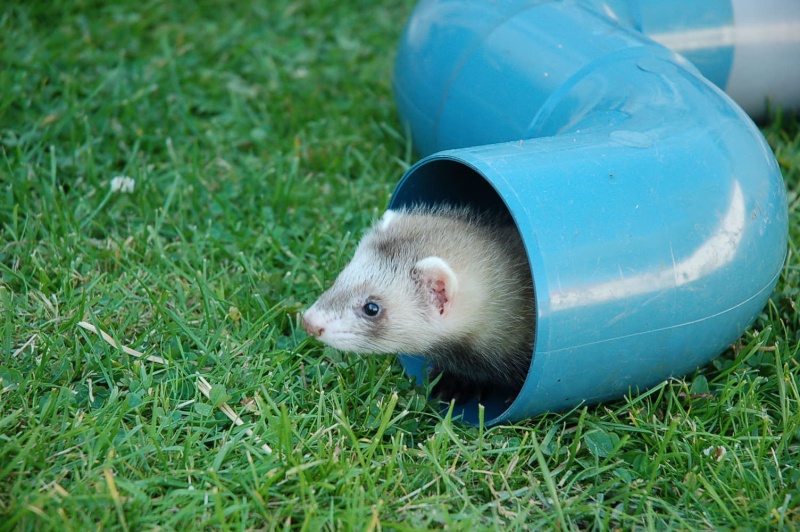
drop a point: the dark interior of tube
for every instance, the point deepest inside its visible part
(448, 181)
(445, 181)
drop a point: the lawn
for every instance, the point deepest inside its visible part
(186, 177)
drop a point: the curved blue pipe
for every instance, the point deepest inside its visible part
(652, 210)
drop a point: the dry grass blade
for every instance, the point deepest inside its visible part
(205, 387)
(105, 336)
(30, 342)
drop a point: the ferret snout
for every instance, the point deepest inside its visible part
(311, 327)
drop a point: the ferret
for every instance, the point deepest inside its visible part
(448, 283)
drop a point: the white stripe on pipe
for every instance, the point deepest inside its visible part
(766, 60)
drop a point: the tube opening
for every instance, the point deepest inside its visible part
(440, 180)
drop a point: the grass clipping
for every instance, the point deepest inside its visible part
(202, 384)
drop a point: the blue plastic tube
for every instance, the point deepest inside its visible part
(652, 210)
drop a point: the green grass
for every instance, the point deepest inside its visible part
(262, 139)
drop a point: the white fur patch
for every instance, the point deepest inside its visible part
(387, 219)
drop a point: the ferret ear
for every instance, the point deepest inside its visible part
(437, 282)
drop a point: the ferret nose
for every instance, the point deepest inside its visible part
(312, 328)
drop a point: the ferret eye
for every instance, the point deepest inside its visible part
(371, 309)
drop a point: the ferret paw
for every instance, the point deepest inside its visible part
(452, 387)
(455, 387)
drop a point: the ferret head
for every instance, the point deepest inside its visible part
(388, 299)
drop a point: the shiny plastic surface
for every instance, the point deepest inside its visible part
(653, 212)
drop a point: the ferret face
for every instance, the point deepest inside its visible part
(384, 302)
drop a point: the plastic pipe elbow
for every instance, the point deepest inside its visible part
(652, 210)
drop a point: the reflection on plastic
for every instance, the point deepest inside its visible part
(715, 253)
